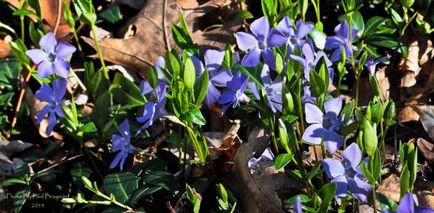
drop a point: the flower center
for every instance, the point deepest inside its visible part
(51, 57)
(294, 40)
(331, 122)
(262, 45)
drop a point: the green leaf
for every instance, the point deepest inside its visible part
(314, 170)
(142, 192)
(372, 25)
(319, 38)
(126, 92)
(375, 85)
(367, 173)
(222, 192)
(152, 77)
(173, 63)
(193, 198)
(189, 73)
(112, 14)
(12, 181)
(20, 197)
(78, 172)
(404, 180)
(283, 136)
(327, 192)
(88, 127)
(10, 71)
(195, 116)
(121, 185)
(282, 160)
(383, 41)
(200, 145)
(370, 139)
(201, 87)
(318, 86)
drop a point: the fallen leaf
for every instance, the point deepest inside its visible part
(390, 187)
(153, 35)
(426, 113)
(4, 49)
(426, 148)
(49, 11)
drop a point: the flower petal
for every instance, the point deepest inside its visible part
(332, 141)
(260, 28)
(116, 160)
(298, 206)
(285, 26)
(251, 59)
(246, 41)
(124, 129)
(214, 59)
(333, 105)
(276, 38)
(61, 68)
(303, 28)
(353, 155)
(359, 188)
(212, 96)
(333, 168)
(59, 89)
(313, 114)
(341, 186)
(145, 87)
(117, 142)
(45, 69)
(221, 77)
(308, 53)
(48, 42)
(268, 56)
(313, 134)
(37, 55)
(64, 50)
(45, 93)
(51, 122)
(342, 30)
(41, 114)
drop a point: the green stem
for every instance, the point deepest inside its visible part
(374, 196)
(300, 112)
(99, 52)
(74, 33)
(114, 201)
(22, 28)
(273, 135)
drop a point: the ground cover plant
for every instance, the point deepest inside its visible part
(216, 106)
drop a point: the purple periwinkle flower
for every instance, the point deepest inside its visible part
(121, 144)
(153, 110)
(407, 205)
(295, 37)
(218, 76)
(267, 155)
(371, 63)
(272, 89)
(298, 207)
(311, 59)
(307, 96)
(51, 58)
(346, 174)
(234, 92)
(53, 96)
(324, 127)
(259, 43)
(341, 40)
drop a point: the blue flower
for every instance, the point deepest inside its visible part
(347, 173)
(295, 37)
(152, 110)
(259, 43)
(273, 90)
(324, 126)
(371, 63)
(266, 156)
(53, 96)
(407, 205)
(234, 92)
(218, 76)
(121, 144)
(51, 58)
(341, 41)
(310, 60)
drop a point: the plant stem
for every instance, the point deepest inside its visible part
(22, 28)
(74, 33)
(99, 52)
(273, 135)
(114, 201)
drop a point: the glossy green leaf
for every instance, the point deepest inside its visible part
(112, 14)
(282, 160)
(201, 87)
(121, 185)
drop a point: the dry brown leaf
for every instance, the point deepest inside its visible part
(149, 42)
(49, 11)
(426, 113)
(390, 187)
(4, 49)
(426, 148)
(18, 3)
(425, 193)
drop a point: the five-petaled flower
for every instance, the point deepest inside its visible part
(407, 205)
(342, 40)
(311, 59)
(234, 92)
(152, 110)
(324, 126)
(121, 144)
(295, 37)
(53, 95)
(273, 89)
(259, 43)
(218, 76)
(51, 58)
(346, 174)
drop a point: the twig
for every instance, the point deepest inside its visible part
(20, 100)
(166, 39)
(59, 14)
(58, 163)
